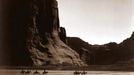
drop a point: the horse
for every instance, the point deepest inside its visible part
(36, 73)
(77, 73)
(22, 71)
(28, 71)
(44, 72)
(83, 73)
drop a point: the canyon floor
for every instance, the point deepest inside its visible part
(58, 72)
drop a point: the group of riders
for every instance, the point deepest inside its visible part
(76, 72)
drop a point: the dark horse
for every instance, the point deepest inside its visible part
(36, 73)
(44, 72)
(22, 71)
(83, 73)
(77, 73)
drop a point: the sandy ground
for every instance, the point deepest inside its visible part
(55, 72)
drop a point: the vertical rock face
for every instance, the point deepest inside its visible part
(43, 41)
(62, 34)
(37, 37)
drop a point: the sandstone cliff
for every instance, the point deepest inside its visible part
(107, 54)
(36, 36)
(33, 36)
(44, 36)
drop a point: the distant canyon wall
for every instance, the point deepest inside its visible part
(107, 54)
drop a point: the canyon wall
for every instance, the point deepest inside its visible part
(35, 36)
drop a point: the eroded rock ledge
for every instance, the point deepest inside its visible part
(45, 39)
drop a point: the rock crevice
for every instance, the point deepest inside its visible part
(45, 38)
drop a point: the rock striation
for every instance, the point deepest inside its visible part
(81, 47)
(35, 35)
(45, 39)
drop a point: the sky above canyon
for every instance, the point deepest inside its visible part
(97, 21)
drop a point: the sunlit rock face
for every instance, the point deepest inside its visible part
(37, 36)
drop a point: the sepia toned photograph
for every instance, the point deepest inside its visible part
(66, 37)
